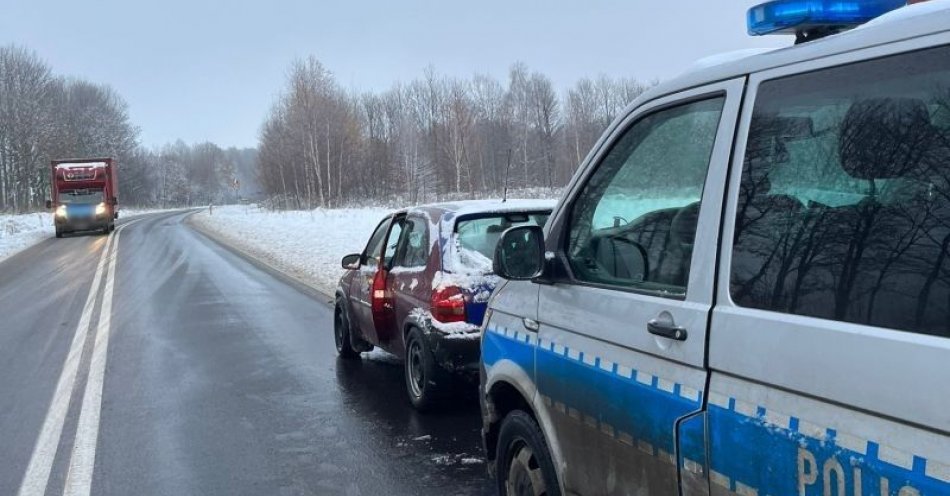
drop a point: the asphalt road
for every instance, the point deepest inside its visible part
(155, 361)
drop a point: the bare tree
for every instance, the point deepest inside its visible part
(433, 137)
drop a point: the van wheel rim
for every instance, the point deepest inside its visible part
(416, 370)
(524, 474)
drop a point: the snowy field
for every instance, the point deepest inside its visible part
(305, 244)
(19, 232)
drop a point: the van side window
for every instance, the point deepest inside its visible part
(634, 222)
(413, 250)
(844, 203)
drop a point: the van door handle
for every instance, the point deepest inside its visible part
(665, 330)
(531, 325)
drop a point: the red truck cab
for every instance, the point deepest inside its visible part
(84, 195)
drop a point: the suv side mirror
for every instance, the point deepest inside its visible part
(352, 261)
(49, 203)
(520, 253)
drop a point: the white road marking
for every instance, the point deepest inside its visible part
(44, 451)
(83, 459)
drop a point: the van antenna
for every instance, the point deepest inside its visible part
(504, 196)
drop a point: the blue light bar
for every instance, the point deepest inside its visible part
(793, 16)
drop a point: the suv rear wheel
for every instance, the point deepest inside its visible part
(524, 462)
(425, 380)
(341, 334)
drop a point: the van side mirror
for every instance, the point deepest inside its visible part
(520, 253)
(49, 203)
(352, 261)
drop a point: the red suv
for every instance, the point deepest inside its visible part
(420, 289)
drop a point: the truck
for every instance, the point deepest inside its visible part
(83, 195)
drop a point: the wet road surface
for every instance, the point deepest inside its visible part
(207, 375)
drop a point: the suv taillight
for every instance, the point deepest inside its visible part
(448, 305)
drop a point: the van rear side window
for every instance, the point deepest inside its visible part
(844, 206)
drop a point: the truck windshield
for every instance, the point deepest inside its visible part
(80, 197)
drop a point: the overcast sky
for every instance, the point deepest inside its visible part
(209, 71)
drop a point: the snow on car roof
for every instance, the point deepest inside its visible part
(722, 58)
(467, 207)
(78, 165)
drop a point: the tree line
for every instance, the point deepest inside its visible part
(45, 116)
(435, 137)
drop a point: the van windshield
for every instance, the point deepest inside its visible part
(80, 197)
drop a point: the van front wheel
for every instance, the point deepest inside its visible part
(524, 462)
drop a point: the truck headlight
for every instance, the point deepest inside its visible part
(61, 211)
(101, 209)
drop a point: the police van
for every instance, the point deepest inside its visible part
(745, 288)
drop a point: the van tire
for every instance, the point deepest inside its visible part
(524, 464)
(341, 334)
(425, 380)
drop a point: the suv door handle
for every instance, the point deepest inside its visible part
(530, 324)
(666, 330)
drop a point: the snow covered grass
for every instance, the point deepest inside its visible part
(305, 244)
(18, 232)
(125, 212)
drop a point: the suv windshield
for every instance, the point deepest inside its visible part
(81, 197)
(476, 238)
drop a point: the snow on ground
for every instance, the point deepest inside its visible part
(18, 232)
(305, 244)
(125, 212)
(382, 356)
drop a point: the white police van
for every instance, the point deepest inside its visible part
(746, 287)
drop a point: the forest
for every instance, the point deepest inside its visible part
(320, 145)
(433, 138)
(45, 116)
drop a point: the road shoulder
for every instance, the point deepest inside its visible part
(258, 259)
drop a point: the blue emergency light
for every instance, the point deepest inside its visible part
(809, 19)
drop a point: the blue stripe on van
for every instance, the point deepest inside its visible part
(773, 459)
(644, 412)
(496, 346)
(749, 454)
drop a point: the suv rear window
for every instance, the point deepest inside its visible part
(476, 238)
(844, 206)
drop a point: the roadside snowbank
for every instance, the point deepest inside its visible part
(18, 232)
(305, 244)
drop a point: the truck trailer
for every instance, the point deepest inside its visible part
(84, 195)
